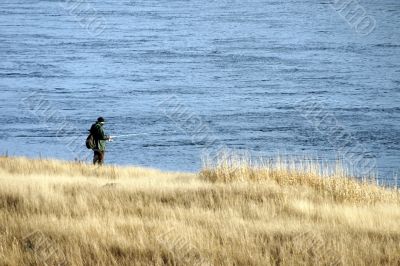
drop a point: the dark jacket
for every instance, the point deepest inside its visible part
(99, 136)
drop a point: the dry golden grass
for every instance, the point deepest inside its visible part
(228, 214)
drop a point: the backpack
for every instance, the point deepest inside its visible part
(90, 142)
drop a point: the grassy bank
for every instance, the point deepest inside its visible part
(78, 214)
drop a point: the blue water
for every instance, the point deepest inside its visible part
(241, 67)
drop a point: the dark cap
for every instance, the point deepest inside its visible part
(101, 119)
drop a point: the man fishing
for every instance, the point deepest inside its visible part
(100, 140)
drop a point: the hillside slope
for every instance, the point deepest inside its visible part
(68, 213)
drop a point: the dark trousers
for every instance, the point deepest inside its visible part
(98, 157)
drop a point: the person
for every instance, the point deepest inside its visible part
(100, 139)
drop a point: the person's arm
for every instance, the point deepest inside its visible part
(102, 135)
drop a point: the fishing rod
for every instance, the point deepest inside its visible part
(128, 135)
